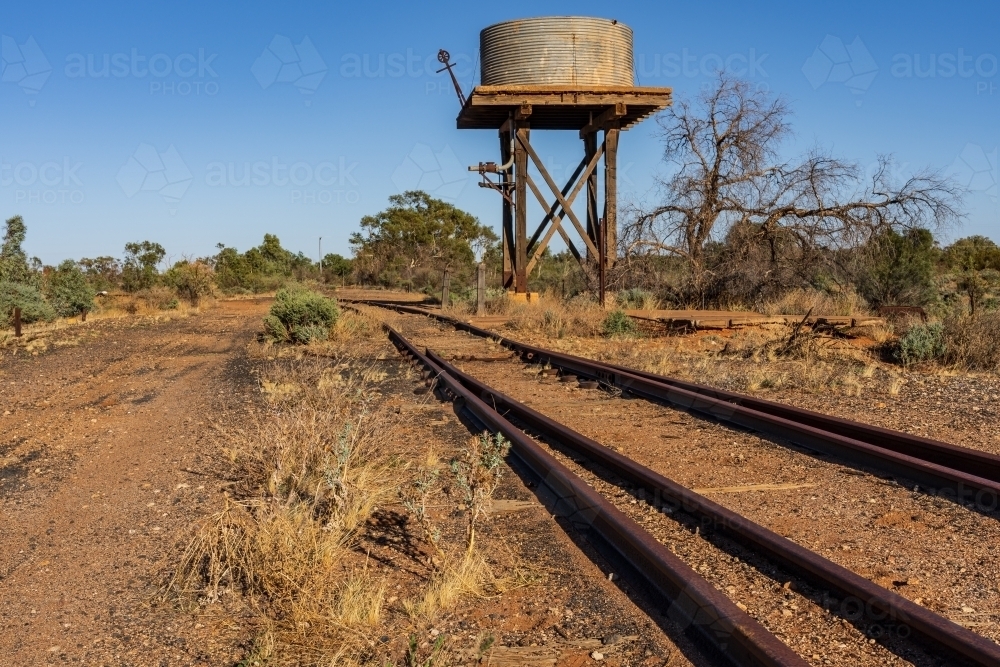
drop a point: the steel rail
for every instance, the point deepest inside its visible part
(696, 605)
(981, 464)
(875, 604)
(958, 473)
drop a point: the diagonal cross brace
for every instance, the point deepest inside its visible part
(559, 196)
(556, 218)
(554, 209)
(556, 226)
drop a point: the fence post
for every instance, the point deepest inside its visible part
(17, 322)
(481, 289)
(445, 289)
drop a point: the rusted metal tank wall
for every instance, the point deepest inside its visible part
(557, 50)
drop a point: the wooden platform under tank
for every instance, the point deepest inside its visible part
(561, 107)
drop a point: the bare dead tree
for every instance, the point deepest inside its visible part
(728, 174)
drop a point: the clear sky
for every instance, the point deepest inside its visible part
(124, 121)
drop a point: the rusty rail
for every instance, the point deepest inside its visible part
(696, 605)
(873, 604)
(958, 473)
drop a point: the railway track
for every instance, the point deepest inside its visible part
(961, 474)
(704, 610)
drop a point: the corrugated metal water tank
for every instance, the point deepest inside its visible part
(557, 50)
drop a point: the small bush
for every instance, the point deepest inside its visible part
(191, 280)
(29, 299)
(69, 292)
(922, 342)
(300, 316)
(617, 323)
(158, 298)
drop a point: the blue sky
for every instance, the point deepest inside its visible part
(130, 121)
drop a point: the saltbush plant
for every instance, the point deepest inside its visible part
(922, 342)
(301, 316)
(29, 299)
(617, 323)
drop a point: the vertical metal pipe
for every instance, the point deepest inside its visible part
(17, 322)
(507, 222)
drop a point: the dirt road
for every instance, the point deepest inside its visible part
(104, 466)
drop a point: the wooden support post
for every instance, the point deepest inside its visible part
(445, 289)
(610, 226)
(521, 208)
(507, 221)
(481, 289)
(590, 149)
(17, 322)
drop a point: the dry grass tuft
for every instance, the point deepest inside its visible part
(766, 379)
(801, 301)
(468, 576)
(313, 469)
(973, 342)
(555, 318)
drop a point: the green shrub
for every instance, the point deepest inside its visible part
(29, 299)
(69, 292)
(300, 316)
(617, 323)
(922, 342)
(637, 299)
